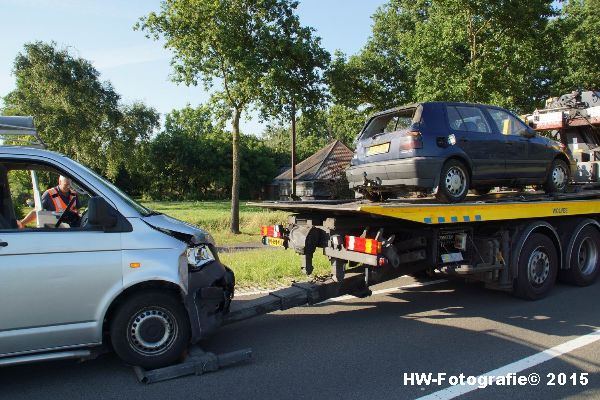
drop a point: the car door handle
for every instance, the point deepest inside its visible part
(464, 140)
(3, 244)
(509, 143)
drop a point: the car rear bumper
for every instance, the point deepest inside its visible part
(417, 172)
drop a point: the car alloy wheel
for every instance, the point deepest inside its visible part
(455, 181)
(559, 176)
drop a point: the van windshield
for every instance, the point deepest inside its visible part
(145, 212)
(392, 122)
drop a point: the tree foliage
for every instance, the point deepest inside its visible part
(75, 112)
(256, 49)
(188, 159)
(576, 44)
(464, 50)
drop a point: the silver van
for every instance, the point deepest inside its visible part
(117, 274)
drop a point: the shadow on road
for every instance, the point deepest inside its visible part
(355, 349)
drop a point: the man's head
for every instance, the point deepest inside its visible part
(64, 184)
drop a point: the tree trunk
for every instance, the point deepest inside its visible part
(235, 187)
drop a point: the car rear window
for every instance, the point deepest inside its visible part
(467, 118)
(392, 122)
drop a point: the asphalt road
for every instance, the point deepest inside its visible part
(362, 349)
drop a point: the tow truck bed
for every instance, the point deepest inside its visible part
(495, 207)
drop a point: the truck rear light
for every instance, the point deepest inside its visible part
(275, 231)
(363, 245)
(411, 140)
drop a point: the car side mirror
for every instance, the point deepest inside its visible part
(100, 213)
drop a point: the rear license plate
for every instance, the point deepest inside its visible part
(275, 242)
(378, 149)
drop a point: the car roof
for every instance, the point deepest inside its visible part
(414, 105)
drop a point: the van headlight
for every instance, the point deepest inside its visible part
(198, 256)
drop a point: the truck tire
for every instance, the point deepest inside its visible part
(454, 182)
(151, 330)
(537, 267)
(558, 177)
(584, 258)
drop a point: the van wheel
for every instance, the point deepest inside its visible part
(454, 182)
(150, 330)
(558, 177)
(585, 258)
(537, 267)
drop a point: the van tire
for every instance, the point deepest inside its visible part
(537, 267)
(454, 182)
(150, 329)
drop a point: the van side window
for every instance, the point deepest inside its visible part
(507, 124)
(36, 196)
(466, 118)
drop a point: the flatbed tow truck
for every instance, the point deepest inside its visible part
(518, 242)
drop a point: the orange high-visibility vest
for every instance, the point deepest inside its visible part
(59, 204)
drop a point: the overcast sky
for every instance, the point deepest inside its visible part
(101, 31)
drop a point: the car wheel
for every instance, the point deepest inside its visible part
(481, 191)
(537, 267)
(585, 258)
(558, 177)
(454, 182)
(150, 330)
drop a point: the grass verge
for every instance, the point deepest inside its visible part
(215, 217)
(270, 268)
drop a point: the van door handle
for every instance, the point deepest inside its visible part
(3, 244)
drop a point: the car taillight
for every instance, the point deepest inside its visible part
(411, 140)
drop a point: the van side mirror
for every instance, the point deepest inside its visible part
(100, 213)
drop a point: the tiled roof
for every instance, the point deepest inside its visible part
(324, 164)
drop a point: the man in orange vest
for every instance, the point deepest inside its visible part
(55, 199)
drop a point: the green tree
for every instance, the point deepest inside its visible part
(75, 112)
(465, 50)
(187, 159)
(255, 49)
(577, 40)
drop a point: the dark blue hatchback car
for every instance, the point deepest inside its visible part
(448, 148)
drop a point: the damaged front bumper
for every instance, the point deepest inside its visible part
(210, 291)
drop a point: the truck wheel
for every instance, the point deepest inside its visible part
(454, 182)
(558, 177)
(585, 258)
(538, 267)
(150, 330)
